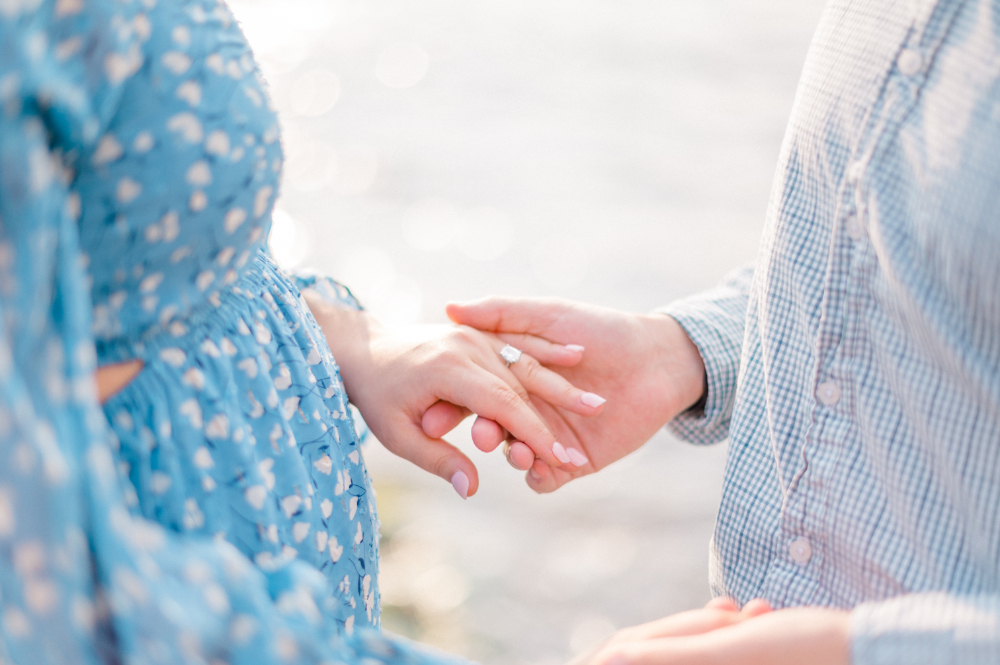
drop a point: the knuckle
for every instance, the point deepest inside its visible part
(506, 397)
(567, 392)
(440, 465)
(463, 334)
(530, 368)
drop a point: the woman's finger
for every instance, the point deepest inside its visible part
(672, 650)
(507, 404)
(436, 456)
(487, 435)
(755, 608)
(554, 389)
(540, 478)
(518, 455)
(546, 352)
(692, 622)
(442, 417)
(722, 603)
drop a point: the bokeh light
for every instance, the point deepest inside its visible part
(310, 165)
(314, 92)
(620, 154)
(486, 234)
(395, 299)
(431, 224)
(289, 240)
(281, 32)
(358, 168)
(402, 65)
(559, 261)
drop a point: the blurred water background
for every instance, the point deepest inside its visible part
(618, 153)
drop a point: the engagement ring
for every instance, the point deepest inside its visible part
(510, 355)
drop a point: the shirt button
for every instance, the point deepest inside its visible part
(910, 62)
(800, 550)
(854, 172)
(854, 229)
(828, 393)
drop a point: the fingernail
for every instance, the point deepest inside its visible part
(576, 457)
(534, 475)
(592, 399)
(460, 482)
(574, 347)
(560, 452)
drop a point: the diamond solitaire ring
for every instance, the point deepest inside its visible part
(510, 355)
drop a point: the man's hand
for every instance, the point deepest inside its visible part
(755, 636)
(644, 365)
(395, 376)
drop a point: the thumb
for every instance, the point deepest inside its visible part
(442, 417)
(435, 456)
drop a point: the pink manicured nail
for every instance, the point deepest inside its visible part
(576, 457)
(592, 400)
(560, 453)
(460, 482)
(574, 347)
(534, 474)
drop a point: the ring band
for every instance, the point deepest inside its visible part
(510, 354)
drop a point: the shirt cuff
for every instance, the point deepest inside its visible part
(331, 291)
(927, 629)
(714, 322)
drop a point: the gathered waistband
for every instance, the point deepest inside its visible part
(218, 309)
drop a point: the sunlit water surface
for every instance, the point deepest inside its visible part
(618, 153)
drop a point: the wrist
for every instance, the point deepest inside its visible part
(678, 363)
(349, 333)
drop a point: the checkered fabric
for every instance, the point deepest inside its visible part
(856, 367)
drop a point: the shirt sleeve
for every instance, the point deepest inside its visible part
(83, 579)
(927, 629)
(714, 321)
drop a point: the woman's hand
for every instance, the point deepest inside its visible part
(395, 376)
(645, 365)
(755, 636)
(718, 613)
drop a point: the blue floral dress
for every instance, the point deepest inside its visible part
(218, 509)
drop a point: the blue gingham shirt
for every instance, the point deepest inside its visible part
(856, 368)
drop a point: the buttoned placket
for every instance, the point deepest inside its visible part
(796, 575)
(804, 515)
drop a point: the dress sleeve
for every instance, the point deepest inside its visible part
(83, 579)
(331, 291)
(714, 321)
(927, 629)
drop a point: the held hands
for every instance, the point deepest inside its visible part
(395, 376)
(720, 633)
(645, 365)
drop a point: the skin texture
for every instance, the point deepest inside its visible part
(396, 376)
(113, 378)
(649, 371)
(644, 365)
(398, 380)
(811, 635)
